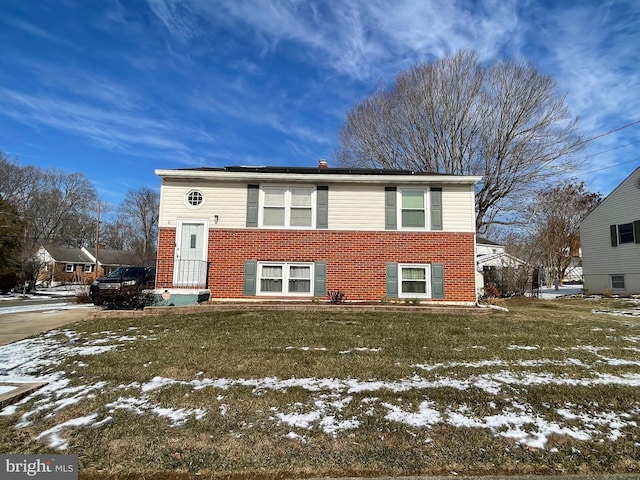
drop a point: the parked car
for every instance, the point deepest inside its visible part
(122, 285)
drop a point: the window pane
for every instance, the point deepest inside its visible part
(300, 217)
(274, 197)
(300, 197)
(413, 273)
(273, 216)
(617, 281)
(413, 218)
(625, 233)
(412, 199)
(299, 272)
(270, 285)
(272, 271)
(299, 286)
(414, 287)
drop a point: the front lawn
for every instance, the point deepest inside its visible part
(548, 387)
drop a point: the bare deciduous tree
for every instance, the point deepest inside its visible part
(557, 215)
(141, 207)
(505, 121)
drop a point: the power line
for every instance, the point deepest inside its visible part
(608, 133)
(610, 166)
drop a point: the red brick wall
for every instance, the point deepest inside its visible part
(355, 259)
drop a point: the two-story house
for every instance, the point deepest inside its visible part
(610, 241)
(296, 233)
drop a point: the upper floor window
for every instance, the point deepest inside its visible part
(625, 233)
(194, 198)
(69, 267)
(413, 210)
(287, 207)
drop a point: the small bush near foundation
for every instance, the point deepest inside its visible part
(336, 297)
(129, 301)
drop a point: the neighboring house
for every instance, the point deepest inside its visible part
(296, 233)
(490, 257)
(77, 265)
(493, 255)
(610, 241)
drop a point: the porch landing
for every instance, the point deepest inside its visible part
(179, 297)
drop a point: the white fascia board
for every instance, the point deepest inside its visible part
(318, 178)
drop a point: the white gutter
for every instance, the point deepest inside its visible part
(318, 177)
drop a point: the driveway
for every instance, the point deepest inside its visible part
(18, 322)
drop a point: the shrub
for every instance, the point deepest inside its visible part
(83, 297)
(8, 280)
(129, 301)
(336, 297)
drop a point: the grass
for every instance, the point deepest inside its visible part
(547, 388)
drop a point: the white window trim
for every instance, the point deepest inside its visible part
(427, 268)
(285, 279)
(189, 192)
(87, 268)
(287, 206)
(427, 209)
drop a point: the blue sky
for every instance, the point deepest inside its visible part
(117, 88)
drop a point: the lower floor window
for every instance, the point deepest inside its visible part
(414, 280)
(285, 278)
(69, 267)
(617, 282)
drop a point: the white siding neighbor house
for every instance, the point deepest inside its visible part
(610, 240)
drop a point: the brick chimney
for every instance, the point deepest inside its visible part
(323, 163)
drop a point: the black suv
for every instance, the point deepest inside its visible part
(122, 285)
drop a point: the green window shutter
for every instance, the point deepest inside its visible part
(392, 280)
(250, 277)
(320, 279)
(614, 235)
(436, 209)
(636, 231)
(437, 280)
(390, 208)
(322, 207)
(253, 193)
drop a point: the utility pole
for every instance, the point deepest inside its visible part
(97, 238)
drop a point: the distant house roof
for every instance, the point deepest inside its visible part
(115, 257)
(484, 241)
(68, 255)
(106, 257)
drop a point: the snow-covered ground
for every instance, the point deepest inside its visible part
(44, 293)
(563, 290)
(328, 398)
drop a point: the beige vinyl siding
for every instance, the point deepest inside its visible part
(356, 207)
(599, 258)
(458, 208)
(227, 200)
(351, 206)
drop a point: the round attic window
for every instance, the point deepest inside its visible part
(195, 198)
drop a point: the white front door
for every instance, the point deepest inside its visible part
(191, 254)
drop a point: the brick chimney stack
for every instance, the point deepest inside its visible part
(323, 163)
